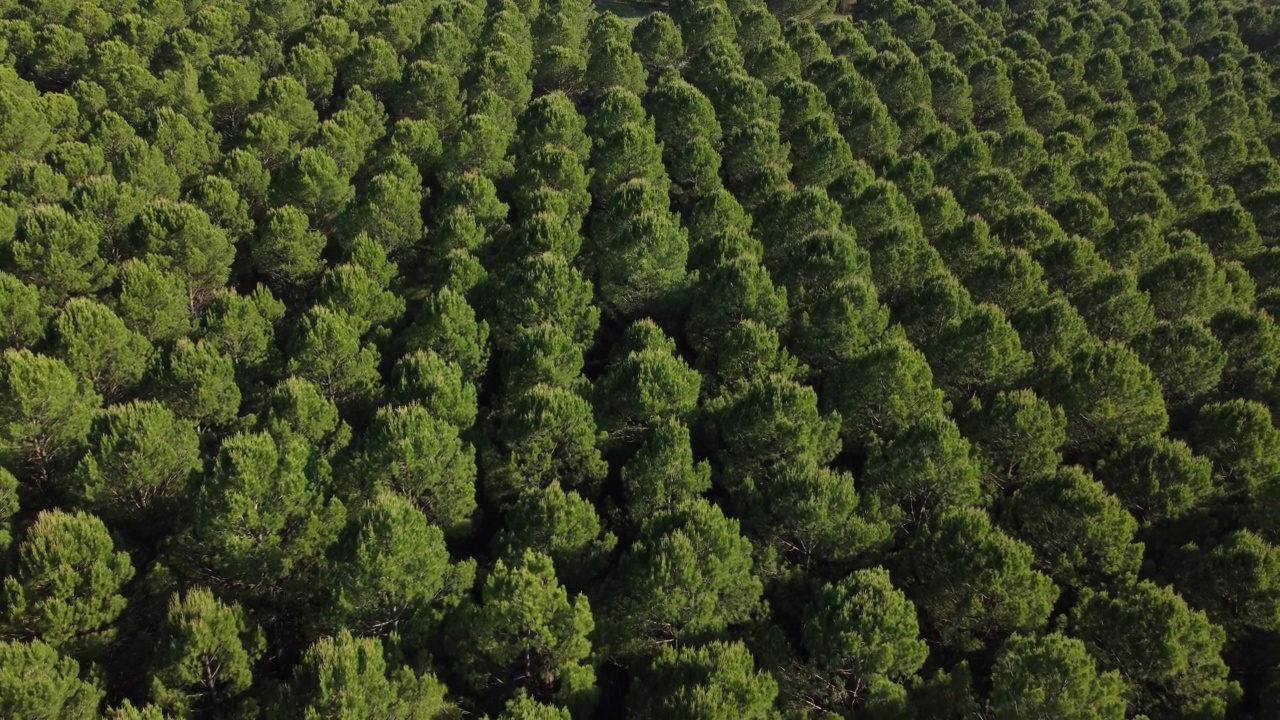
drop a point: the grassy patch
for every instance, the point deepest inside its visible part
(632, 12)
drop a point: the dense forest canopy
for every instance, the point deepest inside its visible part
(739, 359)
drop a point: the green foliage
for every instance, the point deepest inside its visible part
(1185, 357)
(420, 456)
(561, 525)
(1235, 583)
(734, 291)
(153, 302)
(1187, 284)
(181, 238)
(297, 406)
(206, 653)
(1017, 436)
(390, 208)
(99, 349)
(65, 589)
(921, 472)
(639, 253)
(663, 476)
(862, 628)
(883, 390)
(425, 378)
(345, 676)
(1053, 675)
(257, 515)
(1168, 653)
(523, 707)
(58, 253)
(690, 134)
(1048, 511)
(715, 680)
(545, 433)
(625, 145)
(760, 422)
(315, 183)
(613, 64)
(688, 575)
(354, 291)
(1108, 395)
(545, 288)
(448, 325)
(480, 147)
(140, 461)
(288, 250)
(24, 314)
(39, 684)
(1239, 438)
(982, 351)
(202, 383)
(47, 414)
(657, 41)
(972, 582)
(8, 508)
(646, 383)
(328, 352)
(525, 630)
(393, 574)
(1157, 479)
(732, 316)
